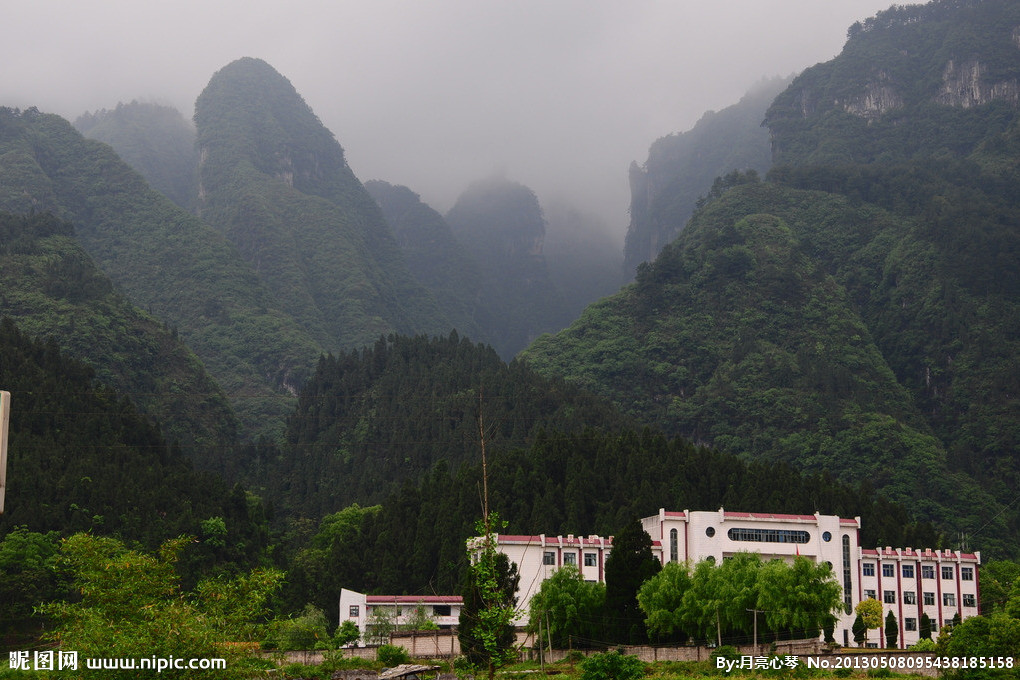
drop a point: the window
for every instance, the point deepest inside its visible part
(909, 623)
(869, 593)
(710, 532)
(948, 573)
(354, 611)
(888, 570)
(889, 596)
(929, 598)
(569, 558)
(826, 536)
(868, 568)
(949, 599)
(909, 597)
(927, 571)
(441, 610)
(769, 535)
(948, 623)
(966, 573)
(969, 600)
(908, 571)
(674, 546)
(591, 560)
(548, 557)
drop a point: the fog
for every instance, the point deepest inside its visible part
(561, 95)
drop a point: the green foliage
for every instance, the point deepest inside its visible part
(716, 602)
(567, 610)
(51, 287)
(486, 629)
(28, 576)
(392, 655)
(628, 566)
(892, 630)
(132, 606)
(661, 598)
(869, 611)
(860, 630)
(612, 666)
(306, 631)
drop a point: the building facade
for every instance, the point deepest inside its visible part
(909, 582)
(398, 610)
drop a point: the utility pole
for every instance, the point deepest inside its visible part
(755, 612)
(485, 469)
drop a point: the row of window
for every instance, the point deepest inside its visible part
(437, 610)
(910, 597)
(927, 571)
(590, 559)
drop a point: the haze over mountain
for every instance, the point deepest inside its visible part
(445, 84)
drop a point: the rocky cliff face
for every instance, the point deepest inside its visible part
(964, 85)
(681, 167)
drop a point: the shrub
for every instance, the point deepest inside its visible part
(612, 666)
(392, 655)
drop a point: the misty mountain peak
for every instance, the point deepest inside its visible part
(250, 111)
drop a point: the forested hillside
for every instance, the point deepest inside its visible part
(372, 419)
(153, 139)
(276, 184)
(50, 287)
(164, 260)
(81, 458)
(858, 312)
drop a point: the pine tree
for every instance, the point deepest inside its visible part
(628, 566)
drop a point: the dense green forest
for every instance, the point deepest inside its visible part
(51, 288)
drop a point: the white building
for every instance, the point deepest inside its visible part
(908, 582)
(444, 610)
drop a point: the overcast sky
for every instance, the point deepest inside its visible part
(560, 95)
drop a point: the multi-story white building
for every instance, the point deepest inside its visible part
(908, 582)
(444, 610)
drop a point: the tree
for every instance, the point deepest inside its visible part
(860, 630)
(891, 630)
(420, 620)
(630, 564)
(802, 597)
(568, 610)
(924, 628)
(661, 598)
(346, 634)
(870, 613)
(380, 625)
(486, 630)
(132, 606)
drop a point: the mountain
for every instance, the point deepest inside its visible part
(50, 287)
(153, 139)
(681, 167)
(274, 182)
(582, 257)
(857, 312)
(501, 224)
(165, 261)
(916, 81)
(434, 256)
